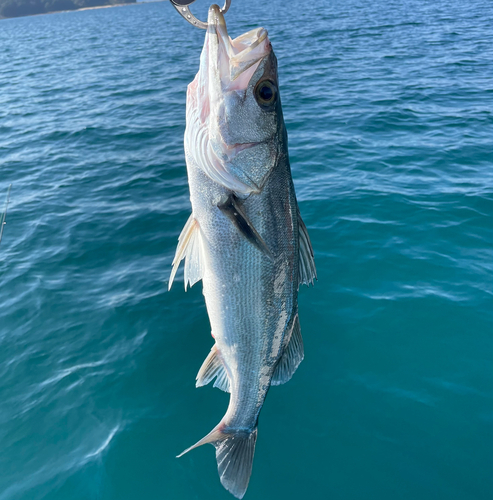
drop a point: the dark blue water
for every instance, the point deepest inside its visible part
(389, 107)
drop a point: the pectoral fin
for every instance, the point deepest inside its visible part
(307, 270)
(235, 213)
(189, 248)
(292, 357)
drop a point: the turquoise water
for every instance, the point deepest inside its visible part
(389, 112)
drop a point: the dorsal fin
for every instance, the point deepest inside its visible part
(190, 249)
(307, 271)
(292, 357)
(213, 367)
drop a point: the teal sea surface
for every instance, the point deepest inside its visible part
(389, 110)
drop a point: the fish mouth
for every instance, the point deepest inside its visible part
(232, 64)
(236, 60)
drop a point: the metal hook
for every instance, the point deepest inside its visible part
(182, 6)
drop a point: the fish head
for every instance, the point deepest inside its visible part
(234, 115)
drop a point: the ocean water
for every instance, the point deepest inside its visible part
(389, 109)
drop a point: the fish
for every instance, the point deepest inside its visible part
(245, 238)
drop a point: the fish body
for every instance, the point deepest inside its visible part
(245, 238)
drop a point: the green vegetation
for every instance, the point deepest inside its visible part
(17, 8)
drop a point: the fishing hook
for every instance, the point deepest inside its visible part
(182, 6)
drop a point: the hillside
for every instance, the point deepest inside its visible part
(17, 8)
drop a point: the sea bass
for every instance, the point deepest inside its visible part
(245, 238)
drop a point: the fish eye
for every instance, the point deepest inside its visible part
(266, 93)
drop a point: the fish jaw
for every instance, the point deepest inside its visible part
(232, 63)
(228, 135)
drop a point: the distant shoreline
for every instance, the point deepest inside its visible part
(83, 8)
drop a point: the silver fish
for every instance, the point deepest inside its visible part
(245, 238)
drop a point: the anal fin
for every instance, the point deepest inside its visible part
(292, 357)
(212, 368)
(307, 269)
(189, 248)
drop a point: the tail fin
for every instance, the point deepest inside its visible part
(234, 455)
